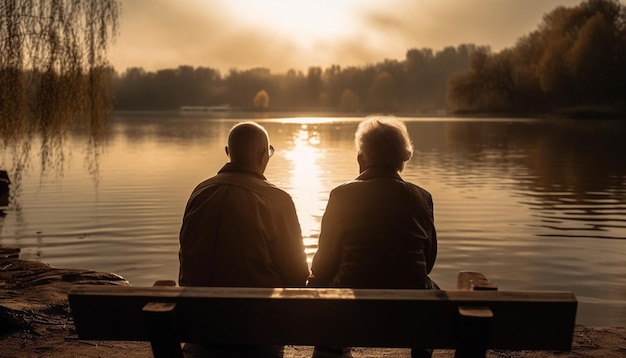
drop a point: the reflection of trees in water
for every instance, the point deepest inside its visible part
(580, 156)
(54, 78)
(572, 173)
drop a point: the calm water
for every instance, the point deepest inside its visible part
(531, 204)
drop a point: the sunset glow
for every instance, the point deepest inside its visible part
(305, 22)
(305, 181)
(287, 34)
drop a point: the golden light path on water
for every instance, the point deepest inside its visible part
(305, 182)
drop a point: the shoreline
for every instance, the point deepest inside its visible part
(36, 321)
(568, 112)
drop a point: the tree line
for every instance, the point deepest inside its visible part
(416, 83)
(575, 60)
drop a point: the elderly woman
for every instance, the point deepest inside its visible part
(378, 230)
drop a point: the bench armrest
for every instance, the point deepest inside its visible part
(474, 281)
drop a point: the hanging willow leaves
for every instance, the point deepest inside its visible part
(54, 76)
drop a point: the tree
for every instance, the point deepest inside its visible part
(261, 99)
(574, 58)
(54, 74)
(591, 59)
(313, 85)
(382, 92)
(349, 101)
(54, 58)
(324, 99)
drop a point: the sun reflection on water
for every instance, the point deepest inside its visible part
(305, 182)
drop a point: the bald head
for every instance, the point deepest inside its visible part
(248, 144)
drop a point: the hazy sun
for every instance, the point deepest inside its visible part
(302, 20)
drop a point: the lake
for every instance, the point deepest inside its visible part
(532, 204)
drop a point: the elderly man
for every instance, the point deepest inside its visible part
(239, 230)
(378, 230)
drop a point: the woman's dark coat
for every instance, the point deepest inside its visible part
(377, 232)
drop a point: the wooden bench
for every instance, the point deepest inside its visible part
(471, 319)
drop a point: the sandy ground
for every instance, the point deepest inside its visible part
(35, 321)
(58, 341)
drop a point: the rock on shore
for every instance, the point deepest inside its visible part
(33, 293)
(36, 321)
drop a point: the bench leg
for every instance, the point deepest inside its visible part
(161, 324)
(473, 332)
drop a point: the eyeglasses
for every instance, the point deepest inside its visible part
(270, 150)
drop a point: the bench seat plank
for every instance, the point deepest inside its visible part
(536, 320)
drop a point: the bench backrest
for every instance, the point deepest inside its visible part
(533, 320)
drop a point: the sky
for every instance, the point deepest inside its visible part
(295, 34)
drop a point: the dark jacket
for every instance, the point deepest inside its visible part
(377, 232)
(240, 230)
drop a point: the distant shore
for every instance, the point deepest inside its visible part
(36, 321)
(580, 112)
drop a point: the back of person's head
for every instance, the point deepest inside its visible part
(383, 141)
(247, 143)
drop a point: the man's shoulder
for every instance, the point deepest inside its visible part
(253, 184)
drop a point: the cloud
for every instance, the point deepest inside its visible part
(436, 24)
(168, 33)
(224, 35)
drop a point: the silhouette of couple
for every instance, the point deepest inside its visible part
(378, 231)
